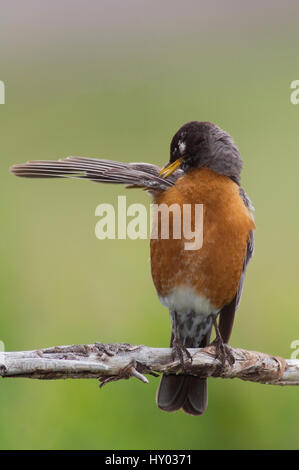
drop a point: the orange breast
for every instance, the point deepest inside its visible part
(215, 269)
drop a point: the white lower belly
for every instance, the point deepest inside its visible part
(185, 299)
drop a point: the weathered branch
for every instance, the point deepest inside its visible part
(109, 362)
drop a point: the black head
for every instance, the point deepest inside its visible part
(204, 145)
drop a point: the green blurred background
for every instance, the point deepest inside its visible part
(115, 79)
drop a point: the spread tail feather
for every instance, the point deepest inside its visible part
(142, 175)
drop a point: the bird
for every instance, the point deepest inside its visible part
(201, 288)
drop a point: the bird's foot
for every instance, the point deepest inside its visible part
(178, 351)
(223, 351)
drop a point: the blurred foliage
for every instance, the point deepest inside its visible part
(60, 285)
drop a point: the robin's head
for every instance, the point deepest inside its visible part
(204, 145)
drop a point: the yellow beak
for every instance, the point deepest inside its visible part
(166, 171)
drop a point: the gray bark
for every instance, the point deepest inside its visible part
(109, 362)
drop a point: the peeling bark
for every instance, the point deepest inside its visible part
(109, 362)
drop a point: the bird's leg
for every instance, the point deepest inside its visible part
(223, 352)
(178, 348)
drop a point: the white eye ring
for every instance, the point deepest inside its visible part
(182, 146)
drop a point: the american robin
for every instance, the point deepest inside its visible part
(195, 285)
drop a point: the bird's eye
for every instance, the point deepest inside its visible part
(182, 146)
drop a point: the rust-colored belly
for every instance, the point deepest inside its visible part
(214, 270)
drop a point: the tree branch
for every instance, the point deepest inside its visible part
(109, 362)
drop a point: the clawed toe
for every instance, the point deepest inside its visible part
(178, 351)
(228, 354)
(223, 351)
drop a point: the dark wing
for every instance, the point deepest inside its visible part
(141, 175)
(227, 313)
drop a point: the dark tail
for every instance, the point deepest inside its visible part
(184, 391)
